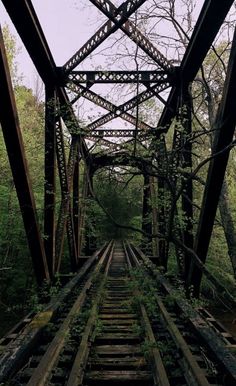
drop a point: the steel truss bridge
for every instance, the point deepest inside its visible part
(64, 86)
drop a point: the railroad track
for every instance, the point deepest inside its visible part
(120, 328)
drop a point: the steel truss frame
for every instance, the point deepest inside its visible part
(46, 256)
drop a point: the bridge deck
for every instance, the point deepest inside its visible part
(118, 322)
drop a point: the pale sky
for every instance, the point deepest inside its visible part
(67, 25)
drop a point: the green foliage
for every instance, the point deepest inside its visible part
(147, 287)
(12, 51)
(122, 202)
(79, 324)
(98, 328)
(146, 348)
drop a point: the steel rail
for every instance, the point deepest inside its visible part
(197, 374)
(215, 342)
(43, 370)
(160, 375)
(77, 371)
(19, 343)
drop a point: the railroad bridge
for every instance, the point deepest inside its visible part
(118, 319)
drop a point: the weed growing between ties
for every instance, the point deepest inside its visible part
(144, 285)
(148, 289)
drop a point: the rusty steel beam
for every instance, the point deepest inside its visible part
(65, 220)
(134, 34)
(187, 196)
(153, 204)
(106, 30)
(15, 149)
(76, 202)
(208, 24)
(102, 34)
(82, 210)
(121, 110)
(163, 199)
(146, 211)
(225, 128)
(122, 133)
(50, 176)
(145, 77)
(104, 103)
(72, 244)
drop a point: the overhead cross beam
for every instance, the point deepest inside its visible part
(116, 133)
(145, 77)
(117, 159)
(122, 109)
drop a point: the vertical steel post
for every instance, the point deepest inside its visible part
(162, 198)
(161, 216)
(76, 202)
(82, 210)
(50, 171)
(153, 194)
(146, 220)
(187, 196)
(65, 220)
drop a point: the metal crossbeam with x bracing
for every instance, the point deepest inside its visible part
(121, 110)
(102, 102)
